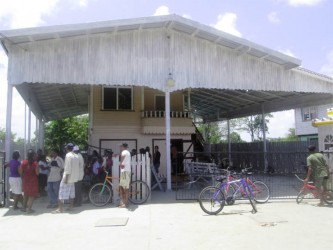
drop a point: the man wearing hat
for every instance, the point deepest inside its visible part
(70, 176)
(125, 175)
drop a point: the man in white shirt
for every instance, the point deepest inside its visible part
(125, 175)
(56, 166)
(78, 184)
(70, 176)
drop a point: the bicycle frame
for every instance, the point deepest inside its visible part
(241, 184)
(309, 187)
(237, 185)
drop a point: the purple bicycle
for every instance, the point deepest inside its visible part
(212, 199)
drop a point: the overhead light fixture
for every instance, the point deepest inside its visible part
(170, 81)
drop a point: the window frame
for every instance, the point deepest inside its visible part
(155, 102)
(310, 112)
(117, 98)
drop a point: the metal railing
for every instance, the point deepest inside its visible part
(161, 114)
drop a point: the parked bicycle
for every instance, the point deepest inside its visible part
(101, 193)
(309, 191)
(212, 199)
(234, 191)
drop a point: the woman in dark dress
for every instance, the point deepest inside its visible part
(29, 172)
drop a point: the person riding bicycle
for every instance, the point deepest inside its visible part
(317, 166)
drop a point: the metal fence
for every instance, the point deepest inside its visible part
(284, 160)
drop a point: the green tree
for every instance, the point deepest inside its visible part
(217, 132)
(60, 132)
(211, 132)
(254, 126)
(235, 137)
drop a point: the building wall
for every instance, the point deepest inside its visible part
(325, 131)
(305, 127)
(114, 127)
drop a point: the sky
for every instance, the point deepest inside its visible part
(299, 28)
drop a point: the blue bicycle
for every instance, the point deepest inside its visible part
(212, 199)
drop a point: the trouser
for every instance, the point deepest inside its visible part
(42, 182)
(53, 192)
(78, 193)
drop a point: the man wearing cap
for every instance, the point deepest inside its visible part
(78, 184)
(70, 176)
(317, 167)
(125, 175)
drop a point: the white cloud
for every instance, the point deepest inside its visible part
(273, 17)
(3, 86)
(227, 23)
(327, 68)
(287, 52)
(17, 102)
(297, 3)
(161, 11)
(187, 16)
(81, 3)
(280, 123)
(22, 13)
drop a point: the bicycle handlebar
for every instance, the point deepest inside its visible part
(299, 178)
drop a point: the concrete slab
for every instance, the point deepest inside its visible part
(167, 224)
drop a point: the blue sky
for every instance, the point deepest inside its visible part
(300, 28)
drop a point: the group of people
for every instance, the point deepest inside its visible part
(63, 178)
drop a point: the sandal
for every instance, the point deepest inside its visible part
(56, 212)
(122, 206)
(30, 211)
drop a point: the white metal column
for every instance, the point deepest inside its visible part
(41, 133)
(91, 115)
(29, 129)
(229, 143)
(264, 139)
(8, 137)
(167, 137)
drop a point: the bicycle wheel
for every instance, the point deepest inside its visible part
(251, 199)
(211, 200)
(304, 194)
(139, 192)
(100, 194)
(328, 196)
(260, 191)
(300, 196)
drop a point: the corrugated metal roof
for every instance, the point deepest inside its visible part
(173, 22)
(55, 101)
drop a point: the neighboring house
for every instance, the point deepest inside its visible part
(137, 115)
(303, 121)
